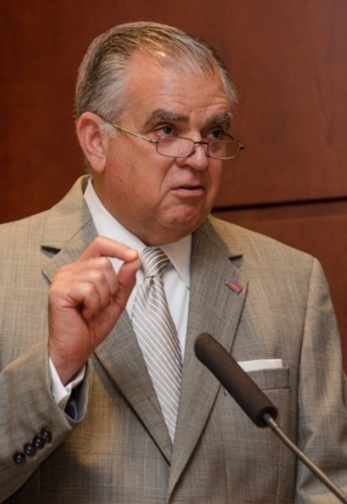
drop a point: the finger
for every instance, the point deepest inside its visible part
(89, 286)
(126, 281)
(96, 270)
(89, 298)
(105, 247)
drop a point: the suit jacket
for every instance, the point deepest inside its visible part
(119, 450)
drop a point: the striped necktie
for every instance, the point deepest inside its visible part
(157, 335)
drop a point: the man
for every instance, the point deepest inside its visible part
(82, 415)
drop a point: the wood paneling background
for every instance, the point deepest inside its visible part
(289, 65)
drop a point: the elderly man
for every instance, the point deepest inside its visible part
(101, 396)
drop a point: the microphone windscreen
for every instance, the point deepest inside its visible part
(234, 379)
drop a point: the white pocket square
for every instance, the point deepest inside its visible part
(259, 364)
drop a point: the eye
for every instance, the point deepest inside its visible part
(217, 134)
(165, 130)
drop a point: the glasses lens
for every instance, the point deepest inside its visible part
(184, 147)
(224, 149)
(175, 147)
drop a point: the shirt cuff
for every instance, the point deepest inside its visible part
(61, 393)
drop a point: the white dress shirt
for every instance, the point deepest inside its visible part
(176, 279)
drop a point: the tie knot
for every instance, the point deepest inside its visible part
(154, 261)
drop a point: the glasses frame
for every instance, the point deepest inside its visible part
(207, 151)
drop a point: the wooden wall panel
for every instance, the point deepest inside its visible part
(290, 69)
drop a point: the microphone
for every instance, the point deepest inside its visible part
(251, 399)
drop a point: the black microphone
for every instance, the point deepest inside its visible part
(251, 399)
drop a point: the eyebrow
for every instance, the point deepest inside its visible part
(165, 115)
(221, 119)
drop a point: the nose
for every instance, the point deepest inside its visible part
(197, 159)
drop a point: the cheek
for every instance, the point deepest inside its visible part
(152, 181)
(215, 180)
(143, 190)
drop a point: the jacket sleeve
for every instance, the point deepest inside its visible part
(32, 425)
(322, 419)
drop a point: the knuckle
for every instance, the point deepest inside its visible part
(99, 240)
(106, 263)
(97, 275)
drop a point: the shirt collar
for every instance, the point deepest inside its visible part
(106, 225)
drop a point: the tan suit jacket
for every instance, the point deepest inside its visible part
(120, 451)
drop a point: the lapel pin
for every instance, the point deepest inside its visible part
(234, 285)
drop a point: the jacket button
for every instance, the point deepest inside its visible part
(38, 441)
(46, 434)
(29, 449)
(19, 457)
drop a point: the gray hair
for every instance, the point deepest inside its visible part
(102, 76)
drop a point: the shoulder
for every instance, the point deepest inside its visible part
(21, 230)
(30, 231)
(271, 266)
(256, 249)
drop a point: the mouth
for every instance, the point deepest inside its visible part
(190, 190)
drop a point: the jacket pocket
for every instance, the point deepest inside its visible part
(271, 379)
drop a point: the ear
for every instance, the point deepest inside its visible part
(92, 140)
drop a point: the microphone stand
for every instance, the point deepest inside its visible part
(270, 422)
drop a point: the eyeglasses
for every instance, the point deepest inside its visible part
(180, 147)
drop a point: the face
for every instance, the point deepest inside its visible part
(157, 198)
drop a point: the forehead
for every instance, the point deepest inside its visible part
(154, 90)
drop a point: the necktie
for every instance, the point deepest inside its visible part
(157, 335)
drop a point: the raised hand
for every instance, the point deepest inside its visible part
(85, 301)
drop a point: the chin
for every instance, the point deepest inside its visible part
(181, 221)
(187, 225)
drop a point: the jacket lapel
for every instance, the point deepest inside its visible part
(214, 308)
(121, 356)
(68, 231)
